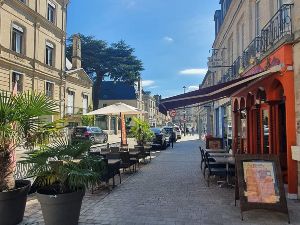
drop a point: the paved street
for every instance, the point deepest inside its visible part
(170, 190)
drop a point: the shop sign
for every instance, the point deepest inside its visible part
(259, 183)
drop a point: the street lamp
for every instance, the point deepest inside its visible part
(184, 112)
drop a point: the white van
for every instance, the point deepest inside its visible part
(178, 132)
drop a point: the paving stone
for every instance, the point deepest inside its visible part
(169, 190)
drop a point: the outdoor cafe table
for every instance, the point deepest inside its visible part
(215, 151)
(224, 159)
(219, 154)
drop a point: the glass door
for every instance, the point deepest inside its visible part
(265, 134)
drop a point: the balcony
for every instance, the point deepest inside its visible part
(276, 32)
(71, 111)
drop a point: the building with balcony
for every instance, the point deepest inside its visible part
(254, 82)
(255, 37)
(32, 47)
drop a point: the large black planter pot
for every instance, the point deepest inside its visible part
(12, 203)
(62, 209)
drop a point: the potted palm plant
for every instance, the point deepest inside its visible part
(18, 123)
(141, 131)
(62, 172)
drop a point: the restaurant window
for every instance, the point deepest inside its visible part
(84, 104)
(51, 12)
(49, 89)
(17, 81)
(49, 54)
(17, 39)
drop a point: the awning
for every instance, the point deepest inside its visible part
(208, 94)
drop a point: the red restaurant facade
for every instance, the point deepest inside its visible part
(264, 120)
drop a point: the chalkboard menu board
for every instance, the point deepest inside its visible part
(259, 183)
(214, 143)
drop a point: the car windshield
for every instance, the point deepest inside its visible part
(80, 130)
(96, 129)
(155, 130)
(168, 130)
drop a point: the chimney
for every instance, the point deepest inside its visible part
(76, 56)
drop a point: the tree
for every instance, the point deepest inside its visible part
(99, 59)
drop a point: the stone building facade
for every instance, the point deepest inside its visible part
(32, 53)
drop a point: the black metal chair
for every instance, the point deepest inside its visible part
(114, 149)
(127, 162)
(214, 169)
(143, 152)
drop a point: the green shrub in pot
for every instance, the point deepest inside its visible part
(62, 172)
(19, 122)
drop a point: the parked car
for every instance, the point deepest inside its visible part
(169, 132)
(94, 134)
(160, 139)
(178, 132)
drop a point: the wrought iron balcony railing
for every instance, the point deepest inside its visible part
(70, 110)
(279, 28)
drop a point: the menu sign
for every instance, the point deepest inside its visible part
(214, 143)
(259, 183)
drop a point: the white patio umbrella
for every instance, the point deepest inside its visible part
(116, 109)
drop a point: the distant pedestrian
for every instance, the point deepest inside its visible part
(173, 138)
(193, 131)
(187, 130)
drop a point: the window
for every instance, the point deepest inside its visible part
(49, 89)
(70, 103)
(49, 54)
(51, 12)
(17, 38)
(257, 18)
(84, 104)
(17, 81)
(24, 1)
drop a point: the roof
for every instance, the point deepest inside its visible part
(111, 90)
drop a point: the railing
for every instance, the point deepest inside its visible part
(70, 110)
(277, 29)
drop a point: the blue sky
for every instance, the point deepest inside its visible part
(171, 37)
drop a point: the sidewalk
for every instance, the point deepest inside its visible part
(170, 190)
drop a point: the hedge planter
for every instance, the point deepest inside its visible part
(13, 203)
(61, 209)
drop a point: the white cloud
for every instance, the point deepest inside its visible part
(200, 71)
(153, 87)
(147, 83)
(193, 88)
(168, 39)
(129, 3)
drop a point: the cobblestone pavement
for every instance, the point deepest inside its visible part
(171, 190)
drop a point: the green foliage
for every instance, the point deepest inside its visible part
(116, 61)
(64, 167)
(87, 120)
(99, 59)
(141, 131)
(19, 123)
